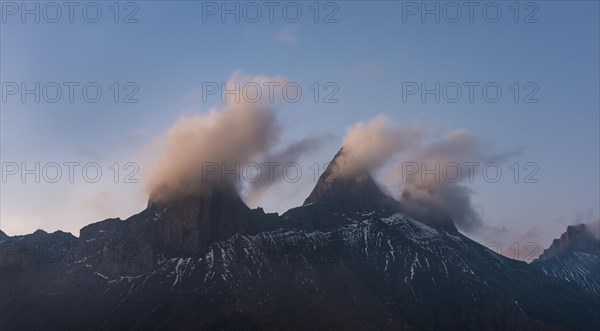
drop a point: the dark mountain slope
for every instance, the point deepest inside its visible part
(575, 258)
(348, 259)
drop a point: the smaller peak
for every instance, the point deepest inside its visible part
(336, 196)
(42, 236)
(576, 238)
(344, 192)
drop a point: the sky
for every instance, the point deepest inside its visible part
(154, 61)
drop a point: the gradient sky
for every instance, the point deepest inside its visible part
(368, 53)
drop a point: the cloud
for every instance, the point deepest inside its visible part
(434, 175)
(594, 227)
(373, 145)
(365, 72)
(272, 162)
(222, 138)
(249, 85)
(201, 150)
(440, 201)
(532, 233)
(434, 187)
(368, 145)
(242, 132)
(590, 219)
(287, 35)
(103, 203)
(199, 147)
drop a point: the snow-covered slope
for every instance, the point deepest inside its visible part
(575, 258)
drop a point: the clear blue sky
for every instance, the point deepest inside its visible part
(368, 53)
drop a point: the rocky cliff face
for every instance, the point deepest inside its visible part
(184, 226)
(337, 200)
(193, 221)
(343, 193)
(575, 257)
(358, 194)
(577, 238)
(38, 250)
(28, 261)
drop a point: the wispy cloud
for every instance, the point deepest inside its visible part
(364, 72)
(287, 35)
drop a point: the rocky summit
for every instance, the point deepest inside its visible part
(575, 257)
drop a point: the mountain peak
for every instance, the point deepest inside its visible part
(577, 238)
(215, 213)
(358, 192)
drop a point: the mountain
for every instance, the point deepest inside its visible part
(36, 249)
(336, 195)
(341, 193)
(577, 238)
(182, 226)
(336, 200)
(575, 257)
(27, 262)
(3, 235)
(348, 259)
(192, 221)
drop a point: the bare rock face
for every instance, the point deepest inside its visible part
(577, 238)
(182, 226)
(575, 257)
(336, 200)
(27, 261)
(193, 221)
(186, 225)
(38, 250)
(117, 247)
(358, 194)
